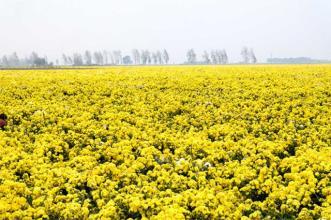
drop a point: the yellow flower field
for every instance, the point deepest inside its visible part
(186, 142)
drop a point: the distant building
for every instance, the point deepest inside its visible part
(296, 60)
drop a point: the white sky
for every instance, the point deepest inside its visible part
(283, 28)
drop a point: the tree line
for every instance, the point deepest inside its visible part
(212, 57)
(115, 57)
(34, 59)
(219, 57)
(143, 57)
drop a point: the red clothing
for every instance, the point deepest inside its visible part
(3, 123)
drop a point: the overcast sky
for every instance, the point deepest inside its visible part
(281, 28)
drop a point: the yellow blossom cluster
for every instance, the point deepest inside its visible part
(180, 142)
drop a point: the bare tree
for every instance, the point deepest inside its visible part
(221, 56)
(35, 60)
(77, 59)
(148, 56)
(14, 60)
(225, 57)
(213, 57)
(217, 55)
(159, 57)
(98, 58)
(105, 57)
(88, 57)
(165, 55)
(65, 59)
(145, 57)
(205, 57)
(5, 61)
(136, 56)
(70, 61)
(117, 57)
(252, 56)
(111, 57)
(154, 58)
(245, 54)
(191, 56)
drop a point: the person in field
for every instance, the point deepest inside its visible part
(3, 121)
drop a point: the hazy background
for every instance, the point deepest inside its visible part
(283, 28)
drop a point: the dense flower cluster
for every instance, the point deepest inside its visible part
(234, 142)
